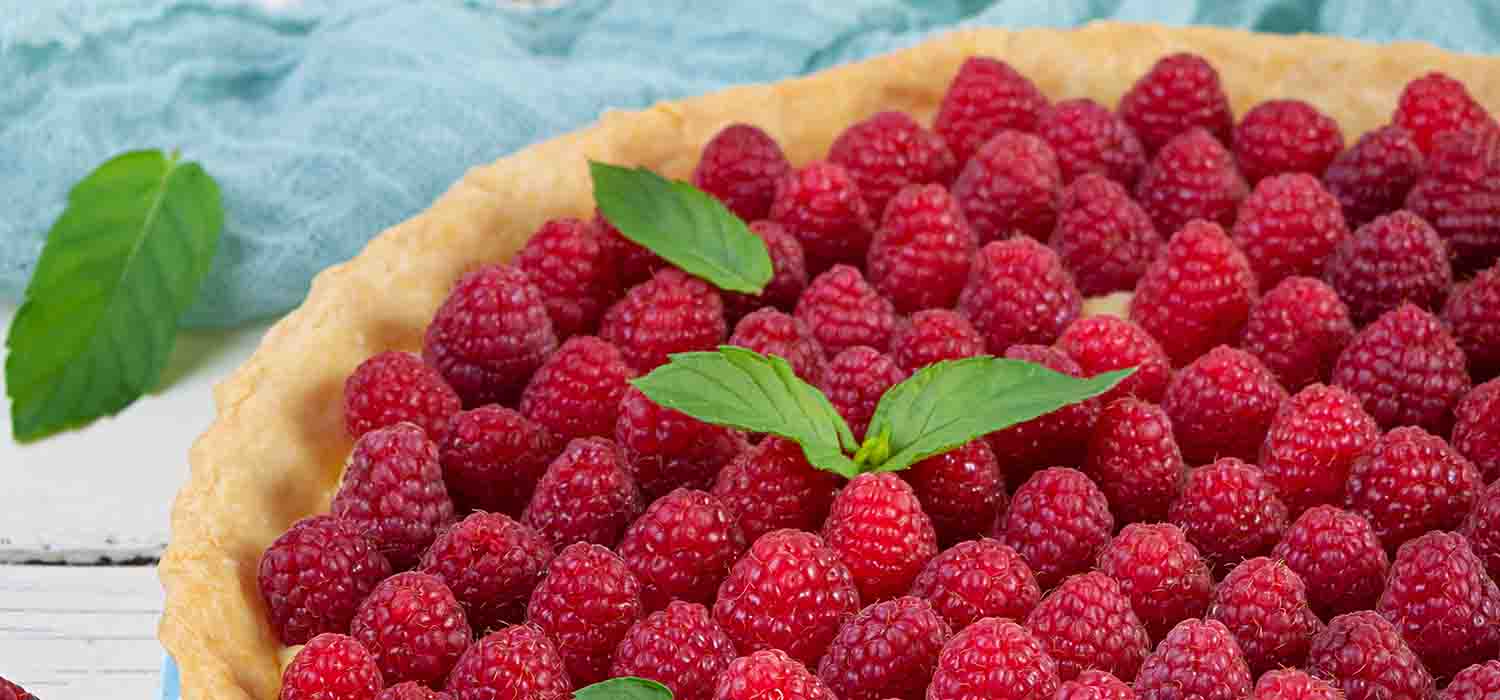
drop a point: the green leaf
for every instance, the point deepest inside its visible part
(947, 404)
(100, 313)
(624, 688)
(744, 389)
(684, 225)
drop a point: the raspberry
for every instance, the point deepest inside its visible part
(854, 382)
(1459, 192)
(1197, 659)
(1019, 292)
(411, 690)
(920, 256)
(1436, 104)
(1338, 557)
(978, 579)
(1289, 225)
(789, 592)
(1476, 682)
(1392, 260)
(1374, 175)
(1222, 404)
(1058, 520)
(961, 490)
(1161, 572)
(994, 658)
(586, 604)
(1056, 438)
(1264, 605)
(1180, 92)
(634, 263)
(1192, 177)
(314, 576)
(1443, 603)
(491, 563)
(666, 448)
(11, 691)
(516, 662)
(1229, 512)
(569, 262)
(586, 496)
(1297, 330)
(740, 165)
(396, 387)
(1093, 684)
(1482, 527)
(1088, 138)
(1086, 622)
(769, 674)
(933, 335)
(670, 313)
(413, 626)
(1473, 315)
(842, 310)
(489, 335)
(986, 96)
(1011, 186)
(680, 647)
(1103, 237)
(493, 457)
(1363, 656)
(1312, 442)
(393, 489)
(1293, 684)
(576, 392)
(331, 666)
(888, 152)
(773, 332)
(1196, 294)
(879, 530)
(788, 274)
(822, 206)
(1285, 136)
(888, 650)
(1406, 369)
(681, 548)
(1105, 343)
(772, 486)
(1134, 459)
(1409, 482)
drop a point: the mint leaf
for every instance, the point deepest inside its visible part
(949, 403)
(624, 688)
(744, 389)
(683, 224)
(100, 313)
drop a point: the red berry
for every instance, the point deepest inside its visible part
(1298, 330)
(977, 579)
(1476, 682)
(411, 690)
(396, 387)
(774, 332)
(854, 382)
(772, 486)
(569, 261)
(634, 263)
(413, 626)
(821, 204)
(586, 604)
(1374, 175)
(1436, 104)
(1459, 192)
(1058, 438)
(1011, 186)
(489, 335)
(1103, 237)
(1445, 605)
(1409, 482)
(576, 392)
(888, 650)
(962, 490)
(920, 256)
(1482, 527)
(1289, 225)
(1105, 343)
(842, 310)
(1338, 557)
(1264, 604)
(1086, 622)
(1395, 259)
(986, 96)
(681, 548)
(1313, 440)
(1222, 404)
(1088, 138)
(331, 666)
(1362, 655)
(1406, 369)
(788, 274)
(1057, 521)
(586, 495)
(994, 659)
(1019, 292)
(393, 488)
(1181, 91)
(670, 313)
(789, 592)
(1197, 659)
(1161, 572)
(314, 576)
(493, 457)
(11, 691)
(769, 673)
(1229, 512)
(740, 165)
(878, 529)
(680, 647)
(491, 563)
(1093, 684)
(666, 449)
(1196, 294)
(1285, 136)
(1293, 684)
(516, 662)
(1192, 177)
(889, 151)
(1134, 459)
(934, 335)
(1473, 315)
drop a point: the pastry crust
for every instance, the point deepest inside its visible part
(275, 450)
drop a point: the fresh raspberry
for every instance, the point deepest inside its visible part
(1057, 521)
(576, 392)
(1436, 104)
(1312, 442)
(994, 658)
(489, 335)
(1459, 192)
(1134, 459)
(491, 563)
(1289, 225)
(1088, 138)
(740, 165)
(1229, 512)
(1103, 237)
(1338, 557)
(1297, 330)
(672, 312)
(1019, 292)
(395, 387)
(842, 310)
(1443, 603)
(888, 152)
(772, 486)
(888, 650)
(11, 691)
(1222, 404)
(1363, 656)
(1406, 369)
(493, 457)
(878, 528)
(1476, 682)
(516, 662)
(1397, 258)
(789, 592)
(586, 604)
(1011, 186)
(854, 382)
(1093, 684)
(1482, 527)
(1105, 343)
(586, 495)
(1196, 294)
(411, 690)
(933, 335)
(314, 576)
(1264, 605)
(1409, 482)
(666, 448)
(393, 489)
(788, 274)
(986, 96)
(1180, 92)
(1293, 684)
(769, 673)
(1059, 438)
(634, 262)
(1473, 315)
(680, 647)
(774, 332)
(1285, 136)
(920, 256)
(569, 262)
(1197, 659)
(1161, 572)
(413, 626)
(822, 206)
(681, 548)
(1192, 177)
(962, 490)
(331, 666)
(977, 579)
(1086, 622)
(1374, 175)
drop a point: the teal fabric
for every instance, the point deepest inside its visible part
(329, 121)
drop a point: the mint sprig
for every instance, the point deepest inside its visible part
(624, 688)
